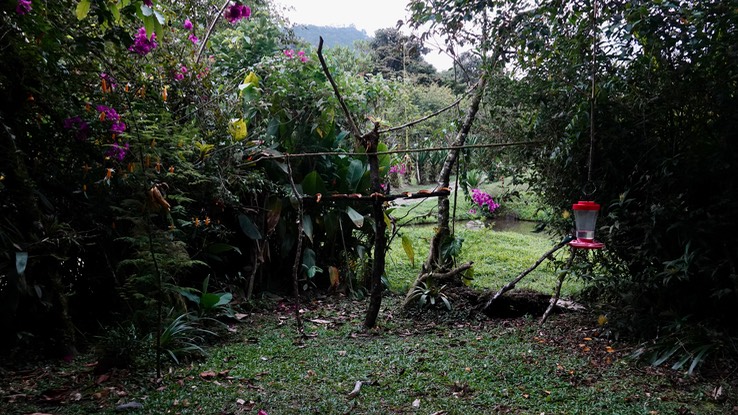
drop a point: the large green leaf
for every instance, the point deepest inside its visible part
(209, 301)
(307, 226)
(355, 217)
(309, 263)
(313, 183)
(354, 174)
(220, 248)
(407, 245)
(21, 260)
(248, 227)
(83, 8)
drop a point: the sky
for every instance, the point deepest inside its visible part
(368, 15)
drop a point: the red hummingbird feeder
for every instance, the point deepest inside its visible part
(585, 217)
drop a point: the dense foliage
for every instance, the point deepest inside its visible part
(144, 176)
(664, 157)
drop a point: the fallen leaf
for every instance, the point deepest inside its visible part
(342, 353)
(240, 401)
(207, 374)
(416, 403)
(319, 321)
(240, 316)
(102, 378)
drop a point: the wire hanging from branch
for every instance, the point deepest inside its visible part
(593, 79)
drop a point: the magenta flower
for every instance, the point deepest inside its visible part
(303, 58)
(23, 7)
(289, 53)
(117, 151)
(178, 76)
(398, 169)
(482, 199)
(187, 24)
(183, 69)
(110, 113)
(193, 39)
(148, 3)
(79, 126)
(118, 127)
(142, 45)
(235, 12)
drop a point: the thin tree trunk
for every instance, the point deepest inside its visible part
(380, 239)
(435, 261)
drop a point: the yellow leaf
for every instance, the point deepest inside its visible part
(601, 320)
(565, 214)
(252, 79)
(238, 129)
(334, 275)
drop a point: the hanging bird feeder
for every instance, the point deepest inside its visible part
(585, 217)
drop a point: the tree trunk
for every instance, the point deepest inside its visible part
(380, 239)
(435, 262)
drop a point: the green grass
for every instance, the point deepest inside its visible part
(498, 258)
(473, 367)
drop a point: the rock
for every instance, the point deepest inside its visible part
(475, 225)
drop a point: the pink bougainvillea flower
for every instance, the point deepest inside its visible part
(23, 7)
(194, 39)
(142, 44)
(237, 11)
(289, 53)
(148, 3)
(187, 24)
(183, 69)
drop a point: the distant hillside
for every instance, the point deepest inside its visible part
(332, 36)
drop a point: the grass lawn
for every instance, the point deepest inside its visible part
(413, 366)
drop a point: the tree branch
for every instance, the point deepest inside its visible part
(442, 110)
(350, 119)
(210, 31)
(510, 285)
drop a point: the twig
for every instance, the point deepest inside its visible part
(279, 156)
(442, 110)
(210, 30)
(557, 294)
(446, 275)
(510, 285)
(352, 124)
(357, 388)
(298, 254)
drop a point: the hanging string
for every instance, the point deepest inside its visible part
(590, 188)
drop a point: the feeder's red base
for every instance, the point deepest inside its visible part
(586, 244)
